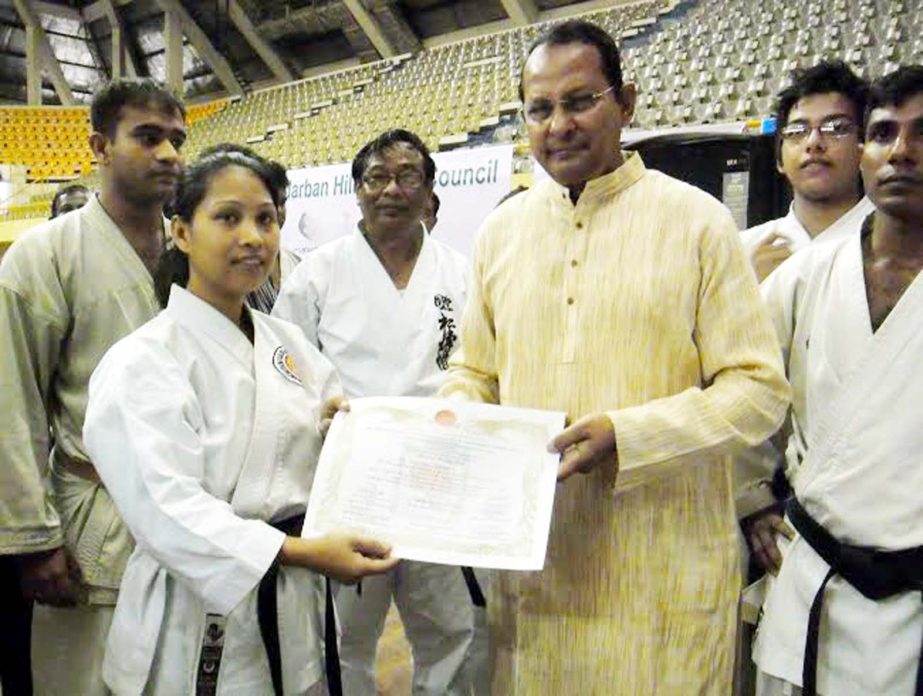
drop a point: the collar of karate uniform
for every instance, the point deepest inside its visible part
(422, 266)
(201, 318)
(100, 218)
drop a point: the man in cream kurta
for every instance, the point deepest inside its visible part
(623, 297)
(69, 289)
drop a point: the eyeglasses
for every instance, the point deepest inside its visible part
(835, 128)
(407, 179)
(540, 110)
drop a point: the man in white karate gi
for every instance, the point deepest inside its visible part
(844, 615)
(69, 289)
(384, 305)
(819, 121)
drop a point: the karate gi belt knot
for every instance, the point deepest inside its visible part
(876, 574)
(268, 615)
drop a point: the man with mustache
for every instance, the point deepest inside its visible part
(624, 298)
(69, 289)
(844, 614)
(819, 122)
(383, 305)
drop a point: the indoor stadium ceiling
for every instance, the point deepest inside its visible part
(258, 42)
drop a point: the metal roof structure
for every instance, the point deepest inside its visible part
(227, 47)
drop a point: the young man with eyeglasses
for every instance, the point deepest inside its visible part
(623, 297)
(843, 615)
(819, 121)
(384, 305)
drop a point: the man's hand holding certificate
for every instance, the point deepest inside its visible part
(442, 481)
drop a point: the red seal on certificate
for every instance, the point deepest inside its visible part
(445, 417)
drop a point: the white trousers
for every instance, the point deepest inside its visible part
(439, 620)
(67, 650)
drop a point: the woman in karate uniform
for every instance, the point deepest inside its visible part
(204, 425)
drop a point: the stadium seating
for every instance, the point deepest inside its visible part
(443, 92)
(750, 48)
(695, 62)
(51, 142)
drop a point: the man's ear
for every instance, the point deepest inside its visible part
(627, 98)
(99, 144)
(179, 231)
(778, 147)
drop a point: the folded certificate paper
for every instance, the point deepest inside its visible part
(442, 481)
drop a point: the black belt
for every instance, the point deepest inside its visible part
(876, 574)
(474, 588)
(268, 615)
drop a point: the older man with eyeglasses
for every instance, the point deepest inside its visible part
(623, 297)
(384, 304)
(819, 120)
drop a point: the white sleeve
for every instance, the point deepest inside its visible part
(780, 292)
(298, 302)
(144, 433)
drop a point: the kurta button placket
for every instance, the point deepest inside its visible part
(575, 249)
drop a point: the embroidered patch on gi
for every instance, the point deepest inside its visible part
(446, 325)
(283, 362)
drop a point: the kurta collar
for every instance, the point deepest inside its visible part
(197, 315)
(611, 184)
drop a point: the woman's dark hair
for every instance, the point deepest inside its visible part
(173, 266)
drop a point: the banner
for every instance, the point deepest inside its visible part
(322, 201)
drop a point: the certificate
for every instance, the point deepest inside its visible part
(441, 480)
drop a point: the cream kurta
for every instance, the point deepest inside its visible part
(68, 290)
(639, 302)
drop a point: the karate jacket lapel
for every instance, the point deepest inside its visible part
(252, 494)
(872, 362)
